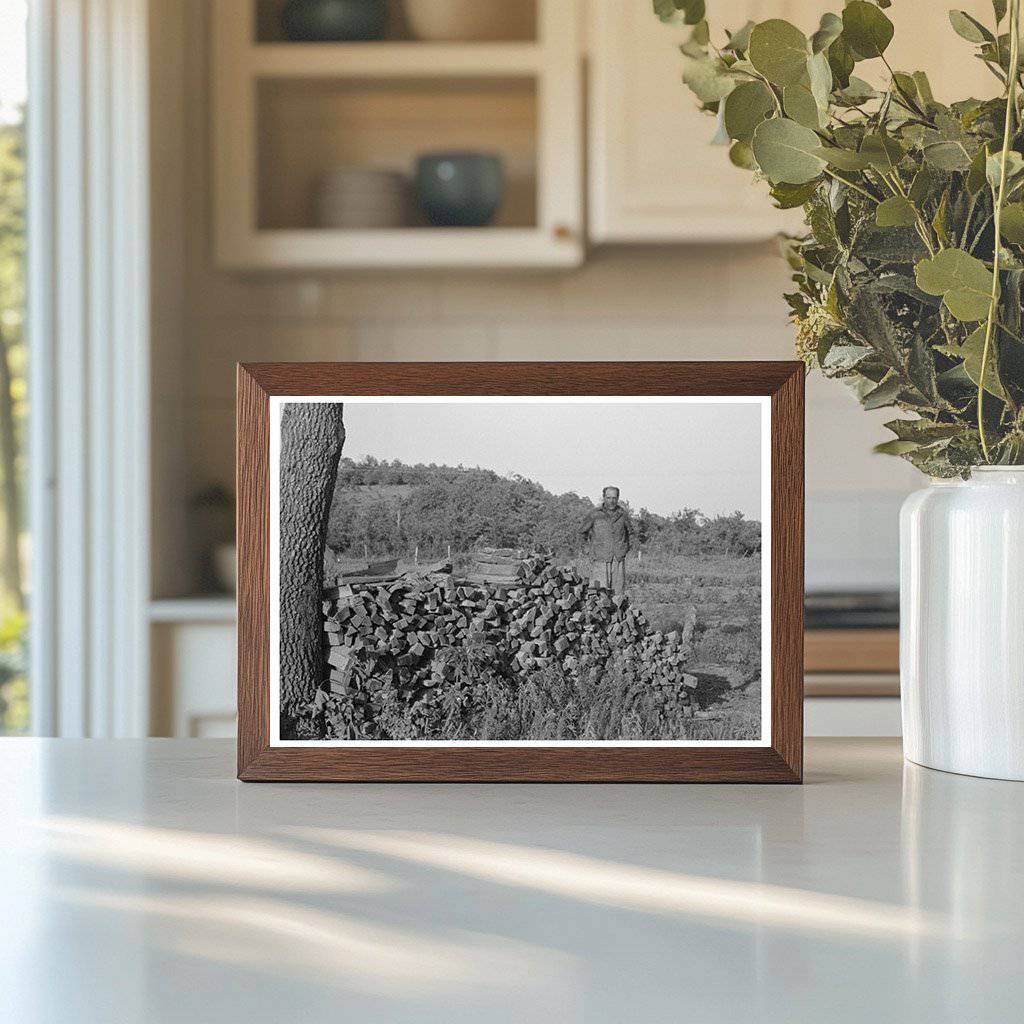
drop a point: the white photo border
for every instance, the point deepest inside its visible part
(277, 403)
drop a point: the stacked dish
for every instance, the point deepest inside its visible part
(362, 197)
(470, 20)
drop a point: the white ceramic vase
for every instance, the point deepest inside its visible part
(962, 624)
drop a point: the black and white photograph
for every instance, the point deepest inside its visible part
(519, 570)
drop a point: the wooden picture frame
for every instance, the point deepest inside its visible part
(780, 759)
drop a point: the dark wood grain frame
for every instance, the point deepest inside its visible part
(781, 761)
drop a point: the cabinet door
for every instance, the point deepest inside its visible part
(654, 176)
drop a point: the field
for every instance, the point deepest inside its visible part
(691, 576)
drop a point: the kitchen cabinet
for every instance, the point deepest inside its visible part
(287, 114)
(654, 177)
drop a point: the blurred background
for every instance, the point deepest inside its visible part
(360, 180)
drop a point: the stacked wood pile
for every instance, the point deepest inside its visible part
(521, 614)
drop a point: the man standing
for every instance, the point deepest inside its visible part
(607, 531)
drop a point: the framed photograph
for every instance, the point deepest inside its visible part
(560, 572)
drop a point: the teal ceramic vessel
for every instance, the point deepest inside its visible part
(460, 189)
(334, 21)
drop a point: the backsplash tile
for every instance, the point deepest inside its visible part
(667, 303)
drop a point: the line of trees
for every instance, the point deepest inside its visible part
(390, 508)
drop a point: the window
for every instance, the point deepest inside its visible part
(14, 692)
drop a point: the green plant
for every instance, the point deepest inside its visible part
(902, 291)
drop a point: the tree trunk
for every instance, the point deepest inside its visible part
(312, 434)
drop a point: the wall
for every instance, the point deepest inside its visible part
(651, 303)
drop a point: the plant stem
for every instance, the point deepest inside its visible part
(775, 98)
(907, 99)
(1011, 109)
(853, 185)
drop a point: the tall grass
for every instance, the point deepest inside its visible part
(596, 702)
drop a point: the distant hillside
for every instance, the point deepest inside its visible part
(390, 508)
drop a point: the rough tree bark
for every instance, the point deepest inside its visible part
(312, 435)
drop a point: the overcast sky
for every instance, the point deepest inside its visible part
(664, 456)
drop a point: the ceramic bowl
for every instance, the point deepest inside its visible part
(332, 21)
(359, 197)
(460, 189)
(470, 20)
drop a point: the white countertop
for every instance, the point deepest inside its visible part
(140, 882)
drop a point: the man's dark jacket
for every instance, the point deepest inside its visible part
(609, 533)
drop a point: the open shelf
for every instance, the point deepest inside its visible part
(308, 127)
(393, 60)
(406, 248)
(286, 114)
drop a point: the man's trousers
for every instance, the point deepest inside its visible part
(611, 574)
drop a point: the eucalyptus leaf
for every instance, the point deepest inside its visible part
(857, 91)
(922, 185)
(689, 12)
(969, 28)
(963, 281)
(976, 174)
(666, 10)
(788, 196)
(745, 108)
(787, 152)
(841, 62)
(947, 156)
(721, 136)
(889, 246)
(883, 395)
(739, 41)
(693, 10)
(829, 30)
(1012, 223)
(883, 152)
(972, 351)
(844, 159)
(868, 321)
(895, 447)
(921, 370)
(922, 431)
(842, 358)
(801, 106)
(708, 80)
(741, 155)
(924, 87)
(894, 212)
(993, 167)
(866, 29)
(905, 84)
(819, 75)
(779, 51)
